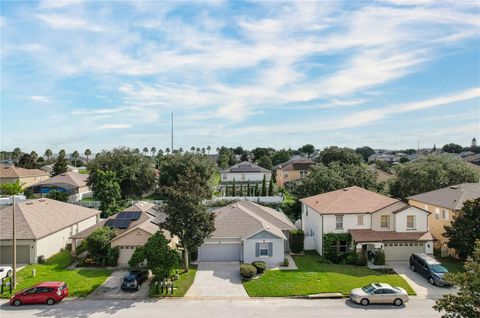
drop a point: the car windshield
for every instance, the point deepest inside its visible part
(368, 289)
(437, 268)
(129, 278)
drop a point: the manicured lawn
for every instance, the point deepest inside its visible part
(313, 277)
(453, 265)
(81, 282)
(181, 285)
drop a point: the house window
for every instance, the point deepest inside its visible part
(445, 214)
(286, 175)
(342, 247)
(385, 221)
(303, 173)
(224, 176)
(339, 222)
(359, 219)
(410, 221)
(263, 249)
(437, 214)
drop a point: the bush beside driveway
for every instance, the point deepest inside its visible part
(180, 286)
(313, 277)
(81, 282)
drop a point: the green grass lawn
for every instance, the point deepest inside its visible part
(182, 284)
(453, 265)
(81, 282)
(313, 277)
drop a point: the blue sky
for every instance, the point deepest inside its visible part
(97, 75)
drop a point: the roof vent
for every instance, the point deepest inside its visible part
(345, 189)
(28, 203)
(454, 187)
(42, 200)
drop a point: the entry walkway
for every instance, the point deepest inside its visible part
(217, 279)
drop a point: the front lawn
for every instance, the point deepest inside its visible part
(181, 285)
(81, 282)
(313, 277)
(451, 264)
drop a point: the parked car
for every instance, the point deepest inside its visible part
(429, 268)
(5, 271)
(134, 279)
(380, 294)
(47, 292)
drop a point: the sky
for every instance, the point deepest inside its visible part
(103, 74)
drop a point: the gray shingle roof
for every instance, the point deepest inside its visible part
(246, 167)
(451, 197)
(70, 179)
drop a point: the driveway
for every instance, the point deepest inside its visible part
(419, 283)
(110, 289)
(217, 279)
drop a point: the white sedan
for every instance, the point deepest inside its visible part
(5, 271)
(380, 294)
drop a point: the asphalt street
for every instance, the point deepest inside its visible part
(178, 308)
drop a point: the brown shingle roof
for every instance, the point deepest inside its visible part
(17, 172)
(41, 217)
(365, 236)
(295, 164)
(348, 200)
(451, 197)
(71, 179)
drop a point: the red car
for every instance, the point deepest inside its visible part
(47, 292)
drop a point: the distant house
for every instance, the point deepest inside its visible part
(134, 226)
(382, 176)
(375, 222)
(247, 232)
(49, 168)
(26, 177)
(75, 184)
(444, 204)
(243, 173)
(291, 170)
(43, 228)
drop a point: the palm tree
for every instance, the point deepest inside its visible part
(16, 153)
(218, 149)
(62, 152)
(153, 151)
(160, 152)
(88, 153)
(48, 153)
(167, 151)
(208, 149)
(180, 150)
(198, 149)
(75, 156)
(192, 148)
(145, 151)
(203, 150)
(136, 150)
(34, 156)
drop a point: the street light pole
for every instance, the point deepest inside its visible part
(14, 247)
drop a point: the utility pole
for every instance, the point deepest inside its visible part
(14, 247)
(172, 132)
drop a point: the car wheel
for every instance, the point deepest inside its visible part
(431, 281)
(50, 301)
(412, 267)
(364, 302)
(17, 302)
(398, 302)
(9, 273)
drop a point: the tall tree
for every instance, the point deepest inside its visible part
(60, 166)
(465, 303)
(192, 148)
(249, 191)
(257, 191)
(341, 155)
(145, 151)
(281, 156)
(98, 243)
(265, 162)
(27, 161)
(153, 150)
(226, 158)
(430, 173)
(136, 150)
(75, 156)
(264, 186)
(48, 153)
(198, 149)
(167, 150)
(34, 156)
(307, 149)
(135, 173)
(270, 188)
(88, 153)
(234, 188)
(365, 152)
(465, 229)
(186, 181)
(203, 150)
(16, 153)
(62, 152)
(452, 148)
(106, 189)
(208, 149)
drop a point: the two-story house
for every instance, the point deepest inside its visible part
(244, 173)
(291, 170)
(374, 221)
(25, 177)
(443, 204)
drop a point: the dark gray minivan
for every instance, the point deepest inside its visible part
(430, 268)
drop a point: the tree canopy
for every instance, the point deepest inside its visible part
(61, 165)
(135, 173)
(226, 157)
(341, 155)
(265, 162)
(452, 148)
(307, 149)
(430, 173)
(281, 156)
(106, 189)
(57, 195)
(365, 152)
(27, 161)
(11, 188)
(98, 243)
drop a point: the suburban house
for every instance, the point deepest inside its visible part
(134, 226)
(243, 173)
(49, 168)
(26, 177)
(382, 176)
(247, 232)
(374, 221)
(443, 204)
(75, 184)
(294, 169)
(43, 228)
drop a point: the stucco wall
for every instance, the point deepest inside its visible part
(312, 227)
(421, 220)
(376, 221)
(134, 238)
(287, 175)
(249, 249)
(436, 226)
(252, 176)
(349, 222)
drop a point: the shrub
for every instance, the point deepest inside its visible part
(296, 240)
(285, 262)
(247, 271)
(361, 259)
(379, 258)
(260, 266)
(324, 260)
(349, 258)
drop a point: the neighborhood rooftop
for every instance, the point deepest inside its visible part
(17, 172)
(451, 197)
(70, 178)
(245, 167)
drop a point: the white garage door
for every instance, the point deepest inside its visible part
(23, 255)
(401, 251)
(125, 253)
(219, 252)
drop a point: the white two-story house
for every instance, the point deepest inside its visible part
(374, 221)
(245, 173)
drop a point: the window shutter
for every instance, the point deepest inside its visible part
(257, 249)
(270, 249)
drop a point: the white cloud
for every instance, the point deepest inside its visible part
(114, 126)
(41, 99)
(57, 21)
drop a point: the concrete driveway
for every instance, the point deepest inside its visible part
(217, 279)
(419, 283)
(110, 289)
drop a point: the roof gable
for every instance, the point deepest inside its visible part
(245, 167)
(451, 197)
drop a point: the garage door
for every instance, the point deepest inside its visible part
(219, 252)
(401, 251)
(23, 254)
(125, 253)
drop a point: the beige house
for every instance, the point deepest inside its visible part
(443, 204)
(43, 228)
(292, 170)
(26, 177)
(75, 184)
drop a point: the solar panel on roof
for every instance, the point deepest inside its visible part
(109, 223)
(122, 223)
(131, 215)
